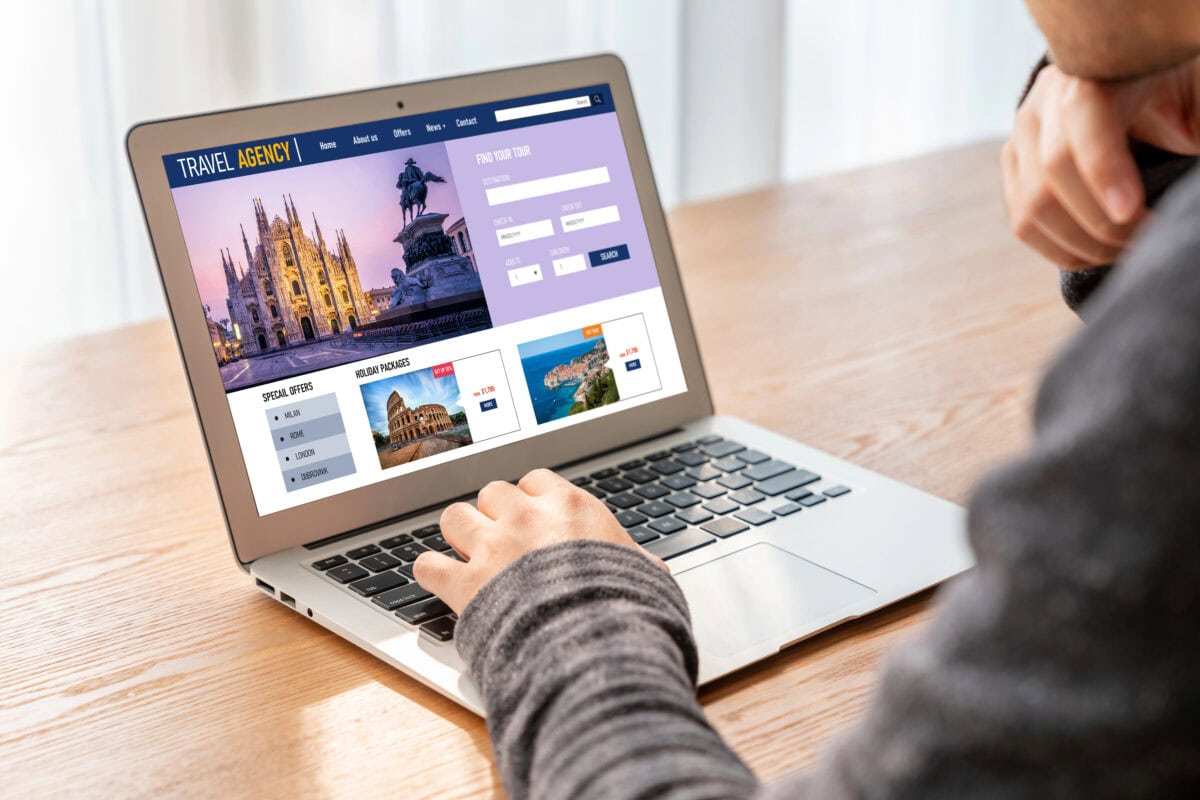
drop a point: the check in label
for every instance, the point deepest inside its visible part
(310, 441)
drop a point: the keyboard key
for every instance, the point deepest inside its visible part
(607, 472)
(658, 455)
(427, 531)
(709, 439)
(406, 571)
(678, 482)
(679, 544)
(630, 519)
(652, 492)
(396, 541)
(799, 494)
(708, 490)
(667, 467)
(693, 459)
(722, 505)
(693, 516)
(747, 497)
(722, 448)
(667, 525)
(731, 464)
(626, 500)
(767, 469)
(642, 535)
(656, 509)
(786, 482)
(405, 595)
(614, 485)
(734, 482)
(755, 516)
(594, 492)
(454, 554)
(682, 500)
(381, 562)
(441, 629)
(725, 526)
(836, 491)
(378, 583)
(612, 509)
(438, 543)
(641, 476)
(683, 448)
(706, 472)
(812, 500)
(633, 464)
(582, 480)
(753, 456)
(347, 573)
(417, 613)
(363, 552)
(787, 508)
(409, 552)
(327, 563)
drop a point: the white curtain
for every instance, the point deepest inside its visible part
(732, 96)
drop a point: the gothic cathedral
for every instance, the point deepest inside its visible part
(296, 289)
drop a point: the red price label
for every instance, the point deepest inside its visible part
(442, 370)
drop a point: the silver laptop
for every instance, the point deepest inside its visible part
(386, 299)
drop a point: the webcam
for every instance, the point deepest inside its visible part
(399, 104)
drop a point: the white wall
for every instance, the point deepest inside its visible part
(732, 96)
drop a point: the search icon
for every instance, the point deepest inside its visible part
(597, 99)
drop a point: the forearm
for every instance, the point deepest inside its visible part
(586, 661)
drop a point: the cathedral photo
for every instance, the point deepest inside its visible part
(306, 269)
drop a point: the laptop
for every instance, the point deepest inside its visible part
(385, 299)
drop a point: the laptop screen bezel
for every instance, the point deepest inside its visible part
(253, 536)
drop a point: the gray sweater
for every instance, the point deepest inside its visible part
(1067, 664)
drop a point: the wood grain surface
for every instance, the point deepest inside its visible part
(884, 315)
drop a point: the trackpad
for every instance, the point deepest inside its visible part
(750, 596)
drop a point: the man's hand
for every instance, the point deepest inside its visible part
(541, 510)
(1070, 182)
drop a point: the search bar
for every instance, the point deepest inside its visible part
(549, 107)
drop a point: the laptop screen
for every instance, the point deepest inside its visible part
(388, 296)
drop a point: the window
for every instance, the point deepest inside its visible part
(267, 287)
(345, 295)
(287, 255)
(462, 243)
(274, 311)
(295, 288)
(328, 302)
(254, 313)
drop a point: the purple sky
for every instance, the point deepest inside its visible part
(358, 195)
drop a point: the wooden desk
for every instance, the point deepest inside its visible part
(885, 316)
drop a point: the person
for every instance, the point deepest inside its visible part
(1064, 664)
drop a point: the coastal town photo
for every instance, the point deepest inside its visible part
(568, 373)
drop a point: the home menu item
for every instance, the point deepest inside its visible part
(387, 296)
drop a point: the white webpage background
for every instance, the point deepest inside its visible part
(258, 450)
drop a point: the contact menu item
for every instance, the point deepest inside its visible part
(310, 442)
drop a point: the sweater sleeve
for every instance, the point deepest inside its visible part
(585, 657)
(1063, 665)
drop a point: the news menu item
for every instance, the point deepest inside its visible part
(401, 293)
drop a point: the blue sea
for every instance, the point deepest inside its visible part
(552, 404)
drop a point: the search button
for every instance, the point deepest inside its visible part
(608, 255)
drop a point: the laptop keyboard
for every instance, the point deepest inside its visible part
(670, 501)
